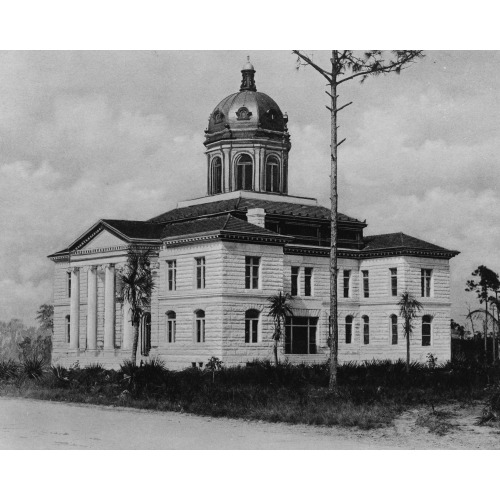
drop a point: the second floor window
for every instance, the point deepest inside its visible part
(252, 265)
(295, 280)
(347, 284)
(171, 275)
(69, 284)
(366, 284)
(426, 282)
(348, 329)
(308, 278)
(200, 272)
(394, 329)
(394, 282)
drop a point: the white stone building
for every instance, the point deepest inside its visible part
(218, 258)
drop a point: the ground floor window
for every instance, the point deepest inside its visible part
(171, 326)
(426, 330)
(200, 326)
(300, 335)
(145, 333)
(394, 329)
(366, 330)
(348, 329)
(252, 326)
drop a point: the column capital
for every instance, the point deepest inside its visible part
(74, 269)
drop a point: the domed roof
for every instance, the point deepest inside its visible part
(246, 114)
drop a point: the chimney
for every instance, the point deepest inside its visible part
(256, 216)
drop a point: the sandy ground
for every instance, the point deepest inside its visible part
(32, 424)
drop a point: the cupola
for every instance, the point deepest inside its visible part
(247, 141)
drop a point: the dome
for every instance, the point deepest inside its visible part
(246, 114)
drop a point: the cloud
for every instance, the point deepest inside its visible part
(89, 135)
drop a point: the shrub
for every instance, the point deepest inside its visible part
(32, 367)
(8, 369)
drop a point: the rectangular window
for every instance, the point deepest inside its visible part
(200, 272)
(300, 335)
(171, 327)
(69, 284)
(252, 265)
(308, 276)
(426, 331)
(295, 280)
(200, 330)
(171, 275)
(251, 330)
(394, 282)
(394, 329)
(426, 282)
(348, 329)
(347, 284)
(366, 330)
(366, 284)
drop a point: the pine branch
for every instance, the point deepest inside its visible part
(308, 61)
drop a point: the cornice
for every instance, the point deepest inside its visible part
(370, 254)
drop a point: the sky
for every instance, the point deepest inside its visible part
(95, 134)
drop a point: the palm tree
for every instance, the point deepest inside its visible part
(45, 316)
(279, 309)
(137, 287)
(409, 307)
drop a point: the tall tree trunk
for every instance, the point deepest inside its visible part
(407, 346)
(498, 329)
(486, 330)
(276, 341)
(136, 341)
(334, 326)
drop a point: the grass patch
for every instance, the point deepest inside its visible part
(370, 394)
(436, 421)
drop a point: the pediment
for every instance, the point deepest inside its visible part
(104, 239)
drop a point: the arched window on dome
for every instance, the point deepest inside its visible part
(272, 175)
(216, 176)
(244, 173)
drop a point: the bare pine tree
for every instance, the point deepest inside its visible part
(345, 66)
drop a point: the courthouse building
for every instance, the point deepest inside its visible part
(216, 260)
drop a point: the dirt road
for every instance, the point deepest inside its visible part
(31, 424)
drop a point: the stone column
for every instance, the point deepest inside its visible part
(74, 328)
(109, 307)
(92, 308)
(128, 330)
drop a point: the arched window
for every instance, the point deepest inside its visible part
(171, 326)
(216, 175)
(244, 173)
(272, 175)
(366, 330)
(68, 328)
(426, 329)
(252, 326)
(348, 329)
(394, 329)
(145, 334)
(199, 326)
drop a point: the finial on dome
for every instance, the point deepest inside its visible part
(248, 80)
